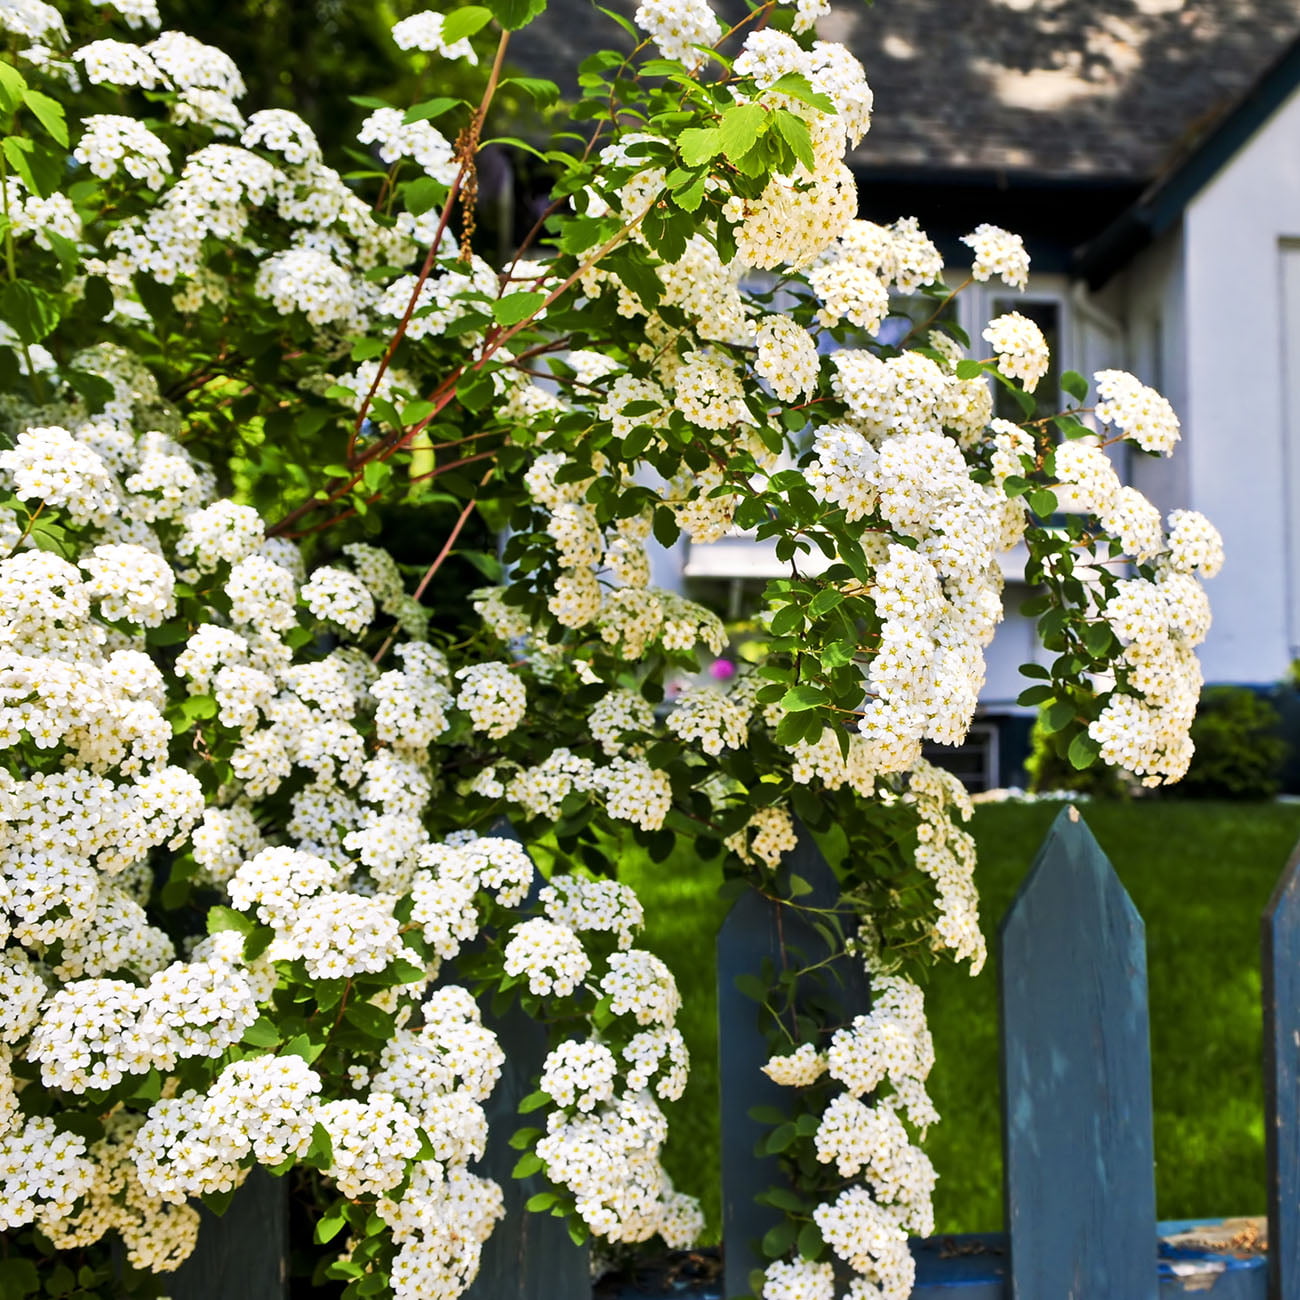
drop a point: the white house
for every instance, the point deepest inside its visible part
(1149, 153)
(1193, 283)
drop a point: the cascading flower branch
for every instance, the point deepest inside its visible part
(256, 902)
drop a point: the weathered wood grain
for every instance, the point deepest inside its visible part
(1076, 1097)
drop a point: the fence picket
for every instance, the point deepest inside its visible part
(1076, 1094)
(245, 1251)
(756, 930)
(529, 1256)
(1280, 926)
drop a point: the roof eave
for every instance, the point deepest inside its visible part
(1167, 197)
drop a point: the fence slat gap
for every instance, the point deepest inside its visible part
(1076, 1094)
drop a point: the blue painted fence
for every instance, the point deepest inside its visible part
(1076, 1098)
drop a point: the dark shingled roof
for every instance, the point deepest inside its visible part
(1104, 90)
(1114, 89)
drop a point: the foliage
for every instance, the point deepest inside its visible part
(1239, 753)
(260, 907)
(1049, 768)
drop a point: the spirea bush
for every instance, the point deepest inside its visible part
(258, 902)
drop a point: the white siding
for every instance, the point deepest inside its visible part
(1237, 393)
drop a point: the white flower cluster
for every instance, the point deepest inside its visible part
(1020, 348)
(862, 1133)
(1139, 412)
(355, 820)
(998, 252)
(603, 1138)
(946, 853)
(423, 31)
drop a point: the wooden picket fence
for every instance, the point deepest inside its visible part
(1076, 1103)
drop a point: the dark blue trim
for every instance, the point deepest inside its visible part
(1165, 200)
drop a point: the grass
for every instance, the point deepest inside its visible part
(1199, 873)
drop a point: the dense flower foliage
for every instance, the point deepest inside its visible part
(257, 900)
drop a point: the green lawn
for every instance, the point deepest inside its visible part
(1200, 874)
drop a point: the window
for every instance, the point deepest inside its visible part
(974, 763)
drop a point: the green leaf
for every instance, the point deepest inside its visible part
(778, 1240)
(403, 972)
(690, 198)
(514, 14)
(794, 131)
(1034, 695)
(544, 93)
(797, 86)
(621, 21)
(369, 1019)
(329, 1225)
(261, 1033)
(301, 1045)
(1083, 751)
(1075, 384)
(699, 144)
(515, 307)
(18, 1277)
(528, 1164)
(461, 23)
(787, 620)
(542, 1201)
(1056, 717)
(49, 113)
(1098, 638)
(784, 1199)
(740, 129)
(79, 1122)
(534, 1101)
(824, 601)
(522, 1139)
(1042, 502)
(803, 696)
(432, 108)
(218, 1202)
(13, 85)
(321, 1151)
(810, 1241)
(969, 369)
(665, 526)
(31, 311)
(222, 918)
(474, 390)
(423, 194)
(40, 169)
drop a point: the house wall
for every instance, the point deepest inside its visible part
(1241, 408)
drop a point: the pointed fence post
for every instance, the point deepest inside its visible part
(1280, 926)
(244, 1252)
(1076, 1095)
(529, 1255)
(758, 931)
